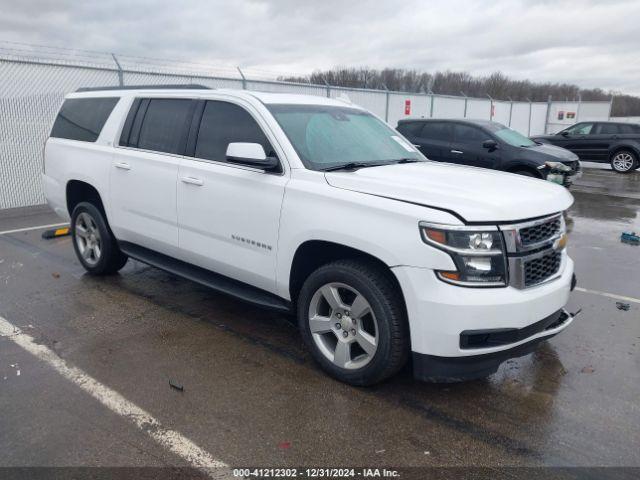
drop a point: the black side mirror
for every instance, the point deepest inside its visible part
(490, 145)
(564, 134)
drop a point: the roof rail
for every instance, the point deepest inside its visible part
(145, 87)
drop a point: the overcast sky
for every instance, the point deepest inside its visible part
(590, 43)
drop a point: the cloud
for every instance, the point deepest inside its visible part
(590, 43)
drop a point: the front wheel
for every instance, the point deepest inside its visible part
(624, 161)
(352, 319)
(93, 241)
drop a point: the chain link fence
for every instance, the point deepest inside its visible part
(35, 79)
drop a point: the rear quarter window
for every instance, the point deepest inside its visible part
(82, 119)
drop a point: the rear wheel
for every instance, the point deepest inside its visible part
(93, 241)
(624, 161)
(352, 319)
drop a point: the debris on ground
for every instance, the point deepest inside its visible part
(630, 237)
(588, 369)
(380, 451)
(55, 275)
(284, 445)
(176, 385)
(623, 306)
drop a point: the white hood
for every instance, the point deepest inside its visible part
(475, 194)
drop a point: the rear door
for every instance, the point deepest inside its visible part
(144, 172)
(467, 148)
(229, 214)
(434, 140)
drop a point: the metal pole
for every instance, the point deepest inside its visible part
(431, 107)
(386, 108)
(244, 80)
(328, 88)
(610, 107)
(578, 109)
(510, 110)
(491, 108)
(546, 122)
(529, 126)
(120, 73)
(466, 101)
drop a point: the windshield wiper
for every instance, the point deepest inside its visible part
(408, 160)
(352, 166)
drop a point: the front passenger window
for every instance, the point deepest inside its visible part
(224, 123)
(468, 134)
(580, 129)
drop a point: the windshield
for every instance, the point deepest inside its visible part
(511, 136)
(326, 136)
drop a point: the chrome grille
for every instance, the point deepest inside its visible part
(540, 233)
(540, 269)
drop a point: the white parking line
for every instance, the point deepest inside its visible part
(169, 439)
(609, 295)
(26, 229)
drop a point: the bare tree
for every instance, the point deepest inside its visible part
(497, 85)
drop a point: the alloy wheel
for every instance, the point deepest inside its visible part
(343, 325)
(623, 162)
(88, 240)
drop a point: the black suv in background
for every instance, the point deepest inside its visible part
(617, 143)
(482, 143)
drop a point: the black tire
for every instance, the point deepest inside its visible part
(622, 158)
(110, 259)
(384, 299)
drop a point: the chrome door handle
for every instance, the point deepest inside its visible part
(456, 151)
(193, 181)
(123, 166)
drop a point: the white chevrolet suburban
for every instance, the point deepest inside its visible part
(315, 206)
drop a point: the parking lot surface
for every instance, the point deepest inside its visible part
(252, 396)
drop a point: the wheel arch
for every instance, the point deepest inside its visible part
(624, 146)
(519, 166)
(312, 254)
(77, 191)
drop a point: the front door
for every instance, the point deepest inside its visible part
(229, 214)
(467, 148)
(579, 139)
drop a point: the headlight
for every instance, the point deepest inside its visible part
(478, 253)
(557, 166)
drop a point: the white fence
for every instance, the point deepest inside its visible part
(32, 90)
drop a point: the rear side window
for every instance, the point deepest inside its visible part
(627, 129)
(436, 131)
(410, 129)
(164, 127)
(610, 128)
(224, 123)
(83, 118)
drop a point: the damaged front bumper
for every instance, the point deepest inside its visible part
(431, 368)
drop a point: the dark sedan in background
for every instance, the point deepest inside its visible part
(482, 143)
(609, 142)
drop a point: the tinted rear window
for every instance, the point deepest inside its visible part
(83, 118)
(164, 126)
